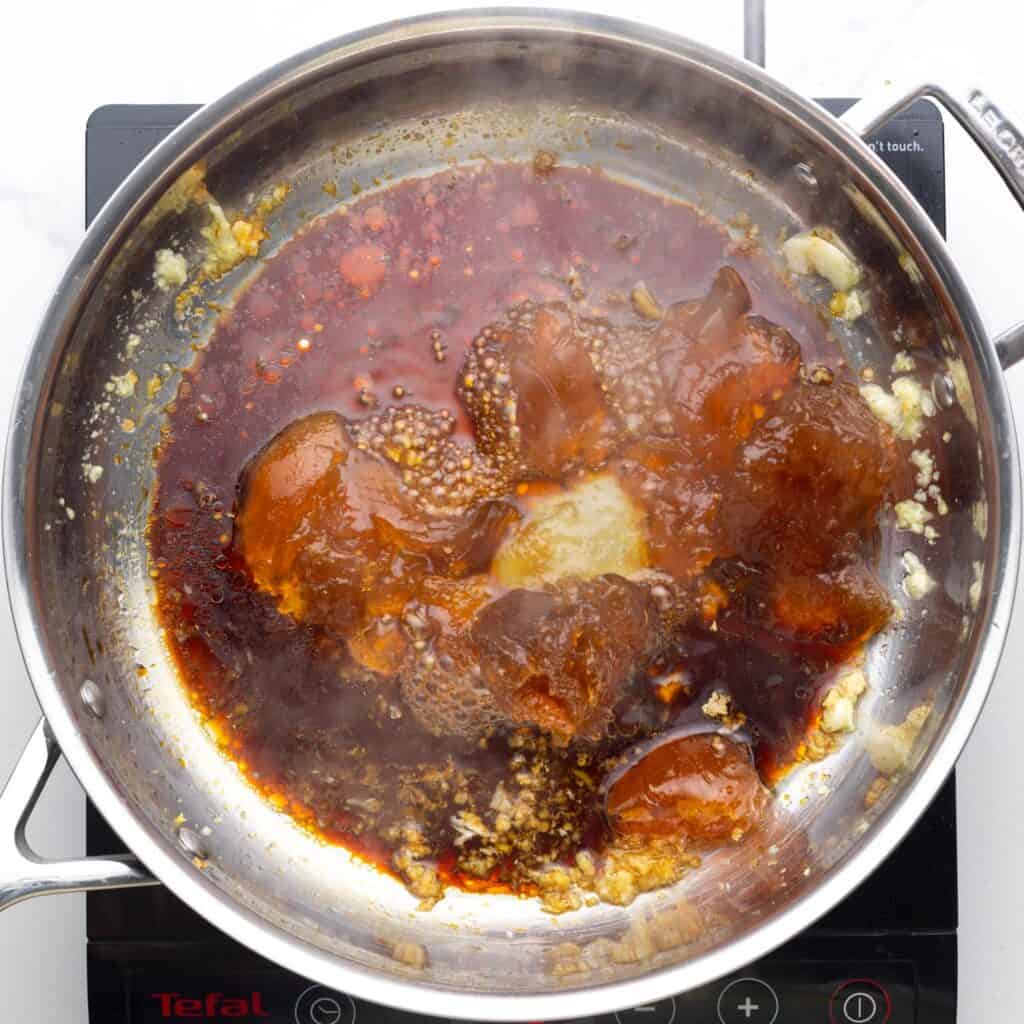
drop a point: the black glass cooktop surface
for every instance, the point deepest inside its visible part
(888, 952)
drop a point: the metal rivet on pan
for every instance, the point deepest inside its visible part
(943, 391)
(805, 174)
(190, 842)
(92, 698)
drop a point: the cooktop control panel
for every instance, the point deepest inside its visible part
(775, 992)
(844, 979)
(887, 953)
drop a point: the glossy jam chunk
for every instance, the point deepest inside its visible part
(560, 657)
(840, 607)
(722, 367)
(822, 614)
(305, 521)
(709, 320)
(532, 391)
(810, 480)
(681, 503)
(442, 683)
(330, 530)
(703, 788)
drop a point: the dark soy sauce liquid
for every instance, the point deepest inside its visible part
(454, 252)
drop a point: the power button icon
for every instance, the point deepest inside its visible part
(860, 1008)
(860, 1001)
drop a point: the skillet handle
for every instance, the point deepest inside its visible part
(23, 873)
(992, 129)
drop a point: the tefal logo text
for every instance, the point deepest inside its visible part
(211, 1006)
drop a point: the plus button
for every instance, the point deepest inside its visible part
(748, 1001)
(747, 1007)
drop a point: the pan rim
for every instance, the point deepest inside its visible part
(117, 218)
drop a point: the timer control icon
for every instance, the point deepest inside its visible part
(320, 1005)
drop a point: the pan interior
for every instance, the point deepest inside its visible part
(668, 124)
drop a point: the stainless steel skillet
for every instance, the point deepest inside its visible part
(699, 125)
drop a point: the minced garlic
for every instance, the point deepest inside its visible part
(903, 362)
(847, 305)
(169, 270)
(720, 707)
(979, 517)
(837, 717)
(123, 385)
(889, 746)
(904, 409)
(190, 187)
(911, 515)
(840, 703)
(810, 252)
(412, 954)
(917, 583)
(924, 462)
(229, 244)
(974, 591)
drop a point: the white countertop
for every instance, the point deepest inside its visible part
(60, 63)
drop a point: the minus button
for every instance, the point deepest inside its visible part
(661, 1012)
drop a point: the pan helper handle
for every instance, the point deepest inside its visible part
(23, 873)
(988, 123)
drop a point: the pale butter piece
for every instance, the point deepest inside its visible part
(587, 531)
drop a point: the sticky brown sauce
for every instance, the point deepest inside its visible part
(371, 315)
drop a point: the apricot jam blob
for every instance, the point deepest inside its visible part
(703, 788)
